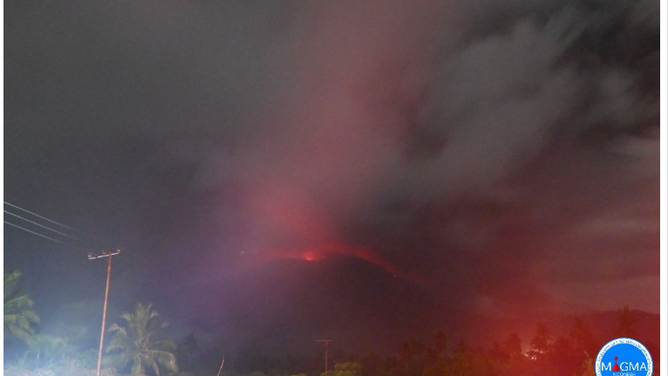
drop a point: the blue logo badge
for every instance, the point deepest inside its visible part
(624, 357)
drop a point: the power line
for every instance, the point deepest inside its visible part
(37, 215)
(32, 232)
(87, 242)
(40, 225)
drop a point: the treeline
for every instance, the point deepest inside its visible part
(138, 345)
(546, 353)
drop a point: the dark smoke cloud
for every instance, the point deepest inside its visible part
(496, 157)
(509, 107)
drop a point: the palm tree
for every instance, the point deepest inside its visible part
(139, 341)
(540, 343)
(513, 345)
(19, 316)
(582, 339)
(626, 323)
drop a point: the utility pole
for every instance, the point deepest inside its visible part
(92, 256)
(326, 342)
(220, 370)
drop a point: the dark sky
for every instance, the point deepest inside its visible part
(279, 171)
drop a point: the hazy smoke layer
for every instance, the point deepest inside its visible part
(432, 159)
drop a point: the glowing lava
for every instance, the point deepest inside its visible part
(312, 256)
(322, 252)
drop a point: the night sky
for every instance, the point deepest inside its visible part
(277, 172)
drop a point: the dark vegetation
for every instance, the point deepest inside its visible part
(138, 345)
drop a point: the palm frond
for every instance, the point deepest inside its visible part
(153, 364)
(19, 318)
(10, 280)
(165, 344)
(127, 317)
(120, 331)
(27, 337)
(137, 368)
(165, 359)
(18, 300)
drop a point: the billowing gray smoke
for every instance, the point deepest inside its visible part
(433, 159)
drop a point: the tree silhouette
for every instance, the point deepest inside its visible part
(540, 343)
(20, 319)
(138, 341)
(626, 323)
(188, 351)
(345, 369)
(512, 346)
(581, 337)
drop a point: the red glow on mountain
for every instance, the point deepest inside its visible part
(312, 256)
(322, 252)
